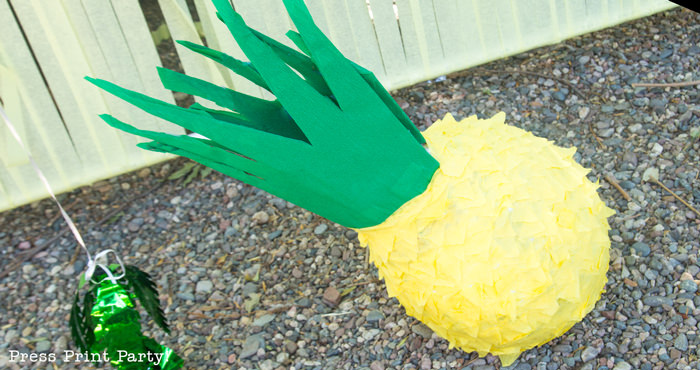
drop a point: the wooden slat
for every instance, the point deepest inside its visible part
(113, 33)
(11, 153)
(448, 19)
(475, 49)
(32, 111)
(364, 36)
(428, 36)
(64, 64)
(219, 38)
(347, 33)
(415, 65)
(181, 27)
(277, 22)
(144, 54)
(391, 46)
(101, 26)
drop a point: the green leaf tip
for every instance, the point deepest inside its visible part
(333, 141)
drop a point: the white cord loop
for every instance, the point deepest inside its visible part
(93, 264)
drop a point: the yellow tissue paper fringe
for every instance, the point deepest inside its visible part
(508, 246)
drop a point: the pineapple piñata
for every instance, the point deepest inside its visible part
(492, 237)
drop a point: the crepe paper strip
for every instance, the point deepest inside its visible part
(505, 250)
(304, 66)
(300, 62)
(352, 157)
(266, 115)
(108, 322)
(244, 69)
(374, 83)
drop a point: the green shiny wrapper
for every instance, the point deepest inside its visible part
(118, 333)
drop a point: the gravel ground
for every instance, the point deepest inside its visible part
(253, 282)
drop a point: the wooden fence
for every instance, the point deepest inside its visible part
(47, 47)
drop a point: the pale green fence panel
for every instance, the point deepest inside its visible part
(27, 101)
(402, 41)
(72, 39)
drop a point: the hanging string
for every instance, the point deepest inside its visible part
(92, 263)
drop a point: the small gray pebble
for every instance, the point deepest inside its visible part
(422, 330)
(374, 316)
(320, 229)
(351, 234)
(230, 231)
(642, 248)
(263, 320)
(590, 353)
(689, 286)
(251, 345)
(622, 365)
(657, 301)
(204, 286)
(273, 235)
(681, 342)
(43, 346)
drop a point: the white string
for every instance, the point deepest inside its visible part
(92, 263)
(96, 263)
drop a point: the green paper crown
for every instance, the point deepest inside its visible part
(334, 141)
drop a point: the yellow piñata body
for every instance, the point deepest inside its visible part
(508, 246)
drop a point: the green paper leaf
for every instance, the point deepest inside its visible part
(244, 69)
(334, 141)
(80, 321)
(141, 285)
(87, 323)
(76, 324)
(300, 62)
(375, 85)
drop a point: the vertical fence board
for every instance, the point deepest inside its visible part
(217, 36)
(448, 20)
(182, 27)
(526, 11)
(412, 48)
(391, 47)
(340, 30)
(64, 64)
(112, 52)
(29, 106)
(428, 37)
(277, 21)
(364, 35)
(471, 30)
(144, 55)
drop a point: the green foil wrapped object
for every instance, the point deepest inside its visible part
(109, 323)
